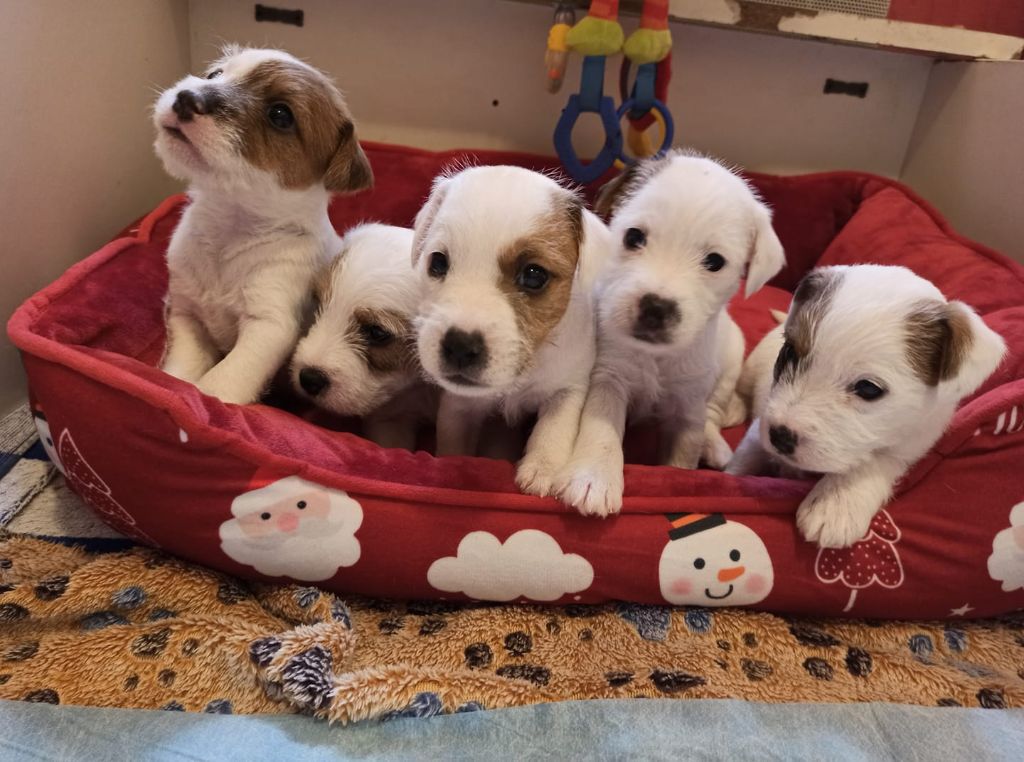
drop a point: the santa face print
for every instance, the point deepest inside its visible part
(714, 562)
(46, 438)
(286, 516)
(289, 527)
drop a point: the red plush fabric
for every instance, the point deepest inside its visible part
(180, 470)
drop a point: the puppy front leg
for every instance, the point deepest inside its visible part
(838, 511)
(551, 442)
(724, 408)
(459, 420)
(592, 480)
(190, 352)
(263, 346)
(394, 433)
(688, 439)
(750, 458)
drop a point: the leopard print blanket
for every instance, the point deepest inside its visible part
(140, 629)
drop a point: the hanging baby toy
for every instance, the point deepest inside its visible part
(597, 36)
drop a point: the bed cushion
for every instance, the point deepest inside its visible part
(171, 467)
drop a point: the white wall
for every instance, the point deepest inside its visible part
(75, 137)
(967, 152)
(426, 73)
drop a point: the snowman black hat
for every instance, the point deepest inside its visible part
(686, 524)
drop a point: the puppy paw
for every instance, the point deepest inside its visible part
(535, 475)
(834, 518)
(716, 453)
(593, 489)
(224, 392)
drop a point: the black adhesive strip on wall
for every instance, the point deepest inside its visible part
(838, 87)
(279, 15)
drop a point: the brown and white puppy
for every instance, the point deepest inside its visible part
(857, 385)
(262, 139)
(359, 356)
(507, 322)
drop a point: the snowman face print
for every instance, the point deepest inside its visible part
(710, 561)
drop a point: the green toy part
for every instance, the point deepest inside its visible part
(646, 46)
(592, 36)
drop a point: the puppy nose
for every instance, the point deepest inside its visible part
(657, 313)
(188, 104)
(783, 439)
(462, 350)
(313, 381)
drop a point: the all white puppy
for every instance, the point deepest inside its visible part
(262, 139)
(359, 356)
(507, 323)
(687, 228)
(857, 385)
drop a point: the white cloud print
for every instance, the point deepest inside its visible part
(530, 564)
(1006, 564)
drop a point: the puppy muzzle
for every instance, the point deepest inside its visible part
(463, 356)
(656, 317)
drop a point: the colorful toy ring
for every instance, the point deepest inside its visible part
(639, 142)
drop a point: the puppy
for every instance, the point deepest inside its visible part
(686, 228)
(262, 139)
(857, 385)
(359, 357)
(507, 324)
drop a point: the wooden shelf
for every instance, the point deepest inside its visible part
(942, 42)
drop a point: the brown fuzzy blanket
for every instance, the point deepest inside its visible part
(140, 629)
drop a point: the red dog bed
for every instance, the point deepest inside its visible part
(261, 493)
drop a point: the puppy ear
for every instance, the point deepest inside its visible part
(949, 343)
(614, 191)
(425, 216)
(348, 170)
(766, 254)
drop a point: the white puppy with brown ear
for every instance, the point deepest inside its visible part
(687, 228)
(262, 140)
(359, 356)
(507, 324)
(857, 385)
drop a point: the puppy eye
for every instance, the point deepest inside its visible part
(714, 262)
(532, 278)
(214, 74)
(265, 516)
(868, 390)
(438, 267)
(375, 335)
(787, 356)
(280, 116)
(698, 563)
(634, 239)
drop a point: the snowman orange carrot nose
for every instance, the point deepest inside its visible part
(728, 575)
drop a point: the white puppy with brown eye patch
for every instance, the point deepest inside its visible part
(507, 323)
(359, 356)
(262, 140)
(857, 385)
(686, 229)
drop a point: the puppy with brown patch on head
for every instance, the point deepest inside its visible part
(359, 356)
(507, 323)
(686, 229)
(262, 139)
(857, 385)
